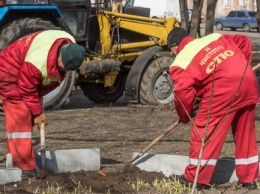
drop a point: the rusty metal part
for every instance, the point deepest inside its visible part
(99, 66)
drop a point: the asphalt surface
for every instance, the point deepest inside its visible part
(79, 101)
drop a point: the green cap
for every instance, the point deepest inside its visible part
(72, 56)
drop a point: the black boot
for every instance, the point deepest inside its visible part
(249, 186)
(29, 174)
(187, 183)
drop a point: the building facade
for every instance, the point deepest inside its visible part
(223, 7)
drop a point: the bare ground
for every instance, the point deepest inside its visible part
(118, 132)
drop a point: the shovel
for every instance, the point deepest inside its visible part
(256, 67)
(167, 131)
(42, 171)
(69, 160)
(170, 128)
(43, 149)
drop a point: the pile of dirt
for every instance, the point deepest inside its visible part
(96, 181)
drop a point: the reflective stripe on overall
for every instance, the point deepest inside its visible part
(19, 133)
(246, 154)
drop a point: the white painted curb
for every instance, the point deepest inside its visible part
(176, 164)
(73, 160)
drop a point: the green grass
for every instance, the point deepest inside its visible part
(165, 186)
(160, 186)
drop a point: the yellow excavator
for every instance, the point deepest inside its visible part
(128, 54)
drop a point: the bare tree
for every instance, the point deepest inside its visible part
(184, 14)
(196, 17)
(117, 6)
(209, 23)
(258, 13)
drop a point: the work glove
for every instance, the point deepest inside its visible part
(38, 120)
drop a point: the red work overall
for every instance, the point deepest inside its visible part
(243, 129)
(28, 71)
(19, 133)
(216, 69)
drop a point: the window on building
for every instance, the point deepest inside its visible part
(227, 3)
(243, 3)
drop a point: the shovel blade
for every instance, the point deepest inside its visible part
(71, 160)
(43, 159)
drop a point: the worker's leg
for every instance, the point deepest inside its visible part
(211, 150)
(243, 128)
(19, 133)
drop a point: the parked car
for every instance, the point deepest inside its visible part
(242, 19)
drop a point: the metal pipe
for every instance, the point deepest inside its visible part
(99, 66)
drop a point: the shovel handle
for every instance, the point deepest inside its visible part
(256, 67)
(42, 135)
(170, 128)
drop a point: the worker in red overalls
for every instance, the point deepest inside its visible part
(216, 69)
(30, 68)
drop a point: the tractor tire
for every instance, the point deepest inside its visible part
(60, 96)
(19, 28)
(97, 93)
(156, 86)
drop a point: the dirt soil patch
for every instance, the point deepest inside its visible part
(118, 132)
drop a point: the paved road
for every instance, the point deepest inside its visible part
(78, 101)
(253, 35)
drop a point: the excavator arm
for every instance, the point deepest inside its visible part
(123, 52)
(158, 29)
